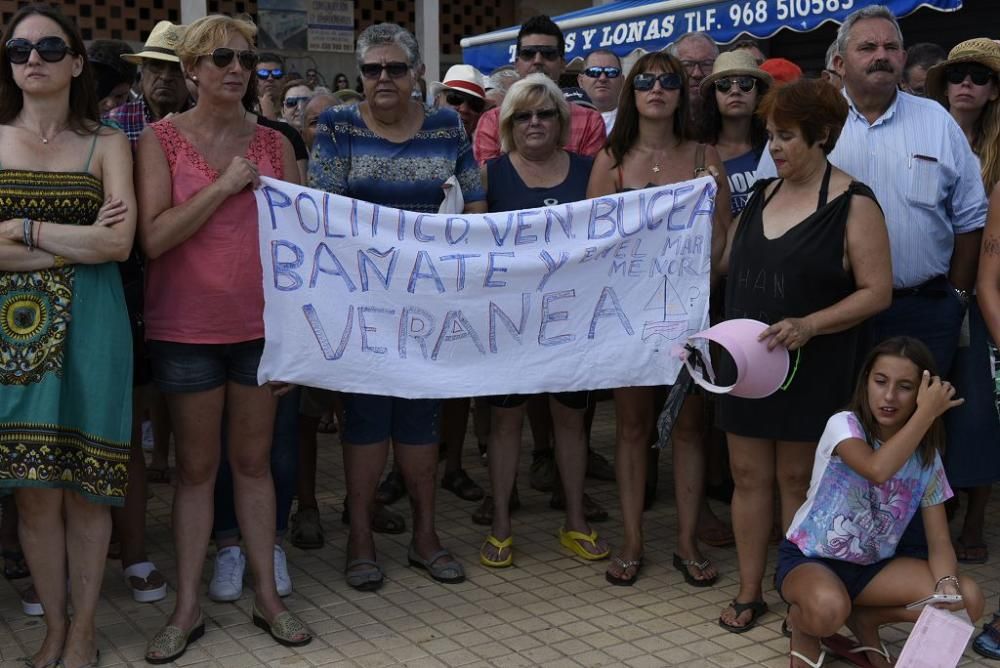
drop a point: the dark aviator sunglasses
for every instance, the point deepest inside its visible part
(50, 49)
(456, 99)
(547, 52)
(396, 70)
(263, 73)
(745, 84)
(595, 72)
(980, 74)
(223, 57)
(646, 81)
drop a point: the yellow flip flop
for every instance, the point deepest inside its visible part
(500, 545)
(571, 540)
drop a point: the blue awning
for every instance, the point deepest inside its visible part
(628, 25)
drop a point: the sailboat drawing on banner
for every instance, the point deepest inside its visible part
(673, 322)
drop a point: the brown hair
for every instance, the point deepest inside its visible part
(84, 117)
(916, 352)
(288, 85)
(625, 132)
(811, 105)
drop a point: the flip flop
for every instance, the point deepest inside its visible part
(852, 652)
(573, 541)
(624, 565)
(141, 571)
(818, 663)
(501, 545)
(683, 564)
(757, 610)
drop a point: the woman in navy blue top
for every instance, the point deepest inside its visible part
(535, 171)
(393, 151)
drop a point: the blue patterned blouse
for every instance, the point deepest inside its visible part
(349, 159)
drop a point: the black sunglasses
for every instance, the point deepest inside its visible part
(456, 99)
(541, 114)
(396, 70)
(548, 52)
(292, 102)
(276, 73)
(223, 57)
(668, 81)
(51, 49)
(595, 72)
(746, 84)
(956, 74)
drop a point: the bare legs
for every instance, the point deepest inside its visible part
(687, 441)
(634, 423)
(61, 532)
(757, 464)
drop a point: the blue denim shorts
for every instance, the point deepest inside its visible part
(197, 367)
(854, 576)
(371, 419)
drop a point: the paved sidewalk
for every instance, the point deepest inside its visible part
(550, 609)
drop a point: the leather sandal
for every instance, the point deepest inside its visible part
(500, 545)
(171, 642)
(364, 579)
(286, 628)
(448, 573)
(757, 610)
(572, 540)
(461, 485)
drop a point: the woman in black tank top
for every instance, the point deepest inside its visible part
(649, 147)
(809, 256)
(534, 171)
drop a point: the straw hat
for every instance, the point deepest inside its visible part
(161, 44)
(463, 78)
(739, 63)
(978, 50)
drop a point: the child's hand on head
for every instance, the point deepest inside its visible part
(936, 396)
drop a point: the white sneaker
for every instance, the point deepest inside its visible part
(282, 580)
(227, 580)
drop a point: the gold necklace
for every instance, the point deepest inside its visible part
(43, 138)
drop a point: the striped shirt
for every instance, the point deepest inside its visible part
(926, 178)
(349, 159)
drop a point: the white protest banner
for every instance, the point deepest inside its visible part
(588, 295)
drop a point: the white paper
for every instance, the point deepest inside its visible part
(937, 640)
(587, 295)
(454, 201)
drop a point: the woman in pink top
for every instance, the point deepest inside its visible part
(204, 314)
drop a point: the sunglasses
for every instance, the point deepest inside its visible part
(981, 75)
(223, 57)
(292, 102)
(547, 52)
(456, 99)
(396, 70)
(264, 73)
(541, 114)
(50, 49)
(746, 84)
(595, 72)
(668, 81)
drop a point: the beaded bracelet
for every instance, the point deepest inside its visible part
(948, 578)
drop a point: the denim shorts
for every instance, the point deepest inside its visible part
(371, 419)
(854, 576)
(575, 400)
(197, 367)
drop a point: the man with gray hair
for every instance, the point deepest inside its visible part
(697, 52)
(828, 73)
(602, 80)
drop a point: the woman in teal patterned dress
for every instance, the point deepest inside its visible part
(67, 214)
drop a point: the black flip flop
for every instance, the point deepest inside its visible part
(682, 566)
(757, 610)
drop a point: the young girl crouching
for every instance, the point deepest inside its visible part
(876, 465)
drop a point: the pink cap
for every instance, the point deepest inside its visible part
(759, 371)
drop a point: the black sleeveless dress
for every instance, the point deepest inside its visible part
(796, 274)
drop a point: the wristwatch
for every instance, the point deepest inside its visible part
(963, 296)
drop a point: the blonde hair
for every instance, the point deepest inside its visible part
(987, 144)
(528, 92)
(210, 32)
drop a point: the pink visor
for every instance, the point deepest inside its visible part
(759, 372)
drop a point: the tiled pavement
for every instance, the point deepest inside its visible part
(550, 609)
